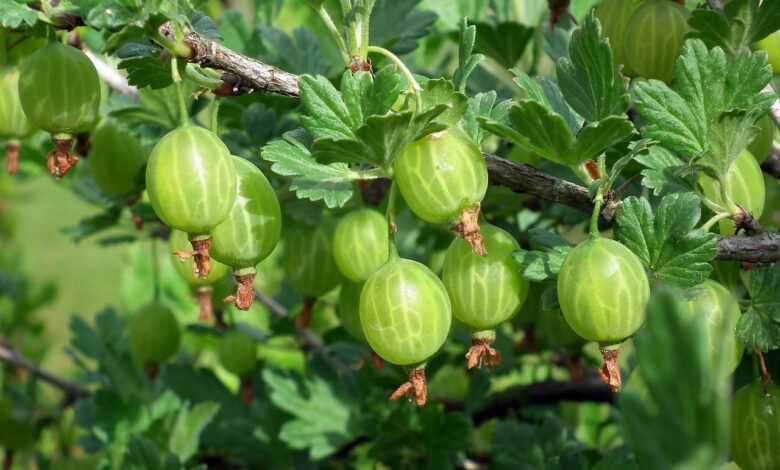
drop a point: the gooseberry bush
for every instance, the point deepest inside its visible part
(391, 234)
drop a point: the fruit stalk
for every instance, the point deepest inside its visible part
(204, 295)
(415, 388)
(201, 265)
(12, 156)
(303, 319)
(245, 391)
(766, 379)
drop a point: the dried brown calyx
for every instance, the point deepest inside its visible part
(132, 202)
(12, 157)
(204, 295)
(745, 221)
(415, 388)
(610, 369)
(482, 354)
(245, 290)
(467, 228)
(61, 160)
(201, 261)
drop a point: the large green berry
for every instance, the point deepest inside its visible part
(557, 331)
(771, 44)
(744, 185)
(180, 242)
(154, 334)
(13, 122)
(117, 160)
(60, 90)
(654, 38)
(360, 244)
(755, 427)
(602, 290)
(191, 180)
(484, 290)
(349, 309)
(721, 311)
(441, 175)
(253, 227)
(238, 352)
(405, 312)
(614, 16)
(761, 146)
(308, 258)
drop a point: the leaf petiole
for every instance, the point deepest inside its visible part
(334, 32)
(414, 87)
(714, 220)
(184, 114)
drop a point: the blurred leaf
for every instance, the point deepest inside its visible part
(398, 24)
(683, 422)
(143, 454)
(235, 33)
(204, 25)
(759, 327)
(298, 54)
(503, 42)
(741, 24)
(663, 171)
(524, 446)
(538, 266)
(442, 92)
(483, 105)
(665, 238)
(14, 13)
(143, 65)
(322, 422)
(190, 422)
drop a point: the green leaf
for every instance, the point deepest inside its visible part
(741, 24)
(597, 137)
(539, 266)
(442, 92)
(13, 14)
(503, 42)
(310, 180)
(588, 79)
(185, 435)
(327, 116)
(665, 239)
(299, 53)
(635, 149)
(111, 15)
(143, 65)
(535, 128)
(322, 421)
(483, 105)
(143, 454)
(663, 171)
(683, 422)
(729, 136)
(759, 327)
(521, 445)
(684, 119)
(467, 60)
(398, 24)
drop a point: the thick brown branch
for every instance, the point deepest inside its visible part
(253, 74)
(72, 391)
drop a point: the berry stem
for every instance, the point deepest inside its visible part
(155, 269)
(214, 115)
(204, 295)
(765, 378)
(414, 87)
(12, 156)
(481, 353)
(390, 213)
(184, 116)
(714, 220)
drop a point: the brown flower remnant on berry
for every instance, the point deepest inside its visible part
(60, 160)
(467, 228)
(482, 354)
(245, 291)
(610, 370)
(414, 388)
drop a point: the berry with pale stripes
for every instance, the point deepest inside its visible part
(361, 243)
(654, 39)
(755, 427)
(443, 178)
(60, 93)
(614, 16)
(251, 230)
(485, 291)
(744, 186)
(602, 291)
(154, 334)
(406, 316)
(721, 310)
(308, 258)
(14, 124)
(191, 182)
(117, 160)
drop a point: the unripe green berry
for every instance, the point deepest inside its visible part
(238, 352)
(654, 38)
(154, 334)
(755, 427)
(361, 243)
(744, 185)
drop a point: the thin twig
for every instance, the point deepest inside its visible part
(12, 357)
